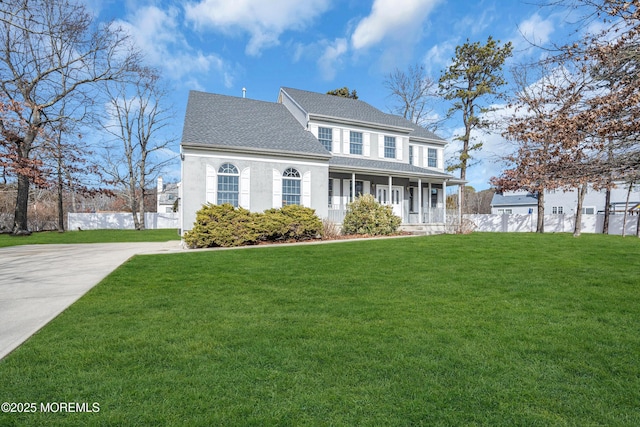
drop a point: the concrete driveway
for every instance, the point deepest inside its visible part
(38, 282)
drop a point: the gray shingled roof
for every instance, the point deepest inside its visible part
(382, 166)
(516, 200)
(227, 121)
(353, 109)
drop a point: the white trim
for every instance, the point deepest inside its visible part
(225, 158)
(277, 189)
(335, 140)
(366, 144)
(346, 141)
(244, 199)
(210, 184)
(306, 189)
(335, 199)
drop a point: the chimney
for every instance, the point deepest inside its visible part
(244, 92)
(160, 185)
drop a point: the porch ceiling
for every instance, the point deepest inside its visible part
(379, 167)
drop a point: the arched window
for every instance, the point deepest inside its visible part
(291, 187)
(228, 187)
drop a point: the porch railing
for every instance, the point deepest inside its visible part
(429, 216)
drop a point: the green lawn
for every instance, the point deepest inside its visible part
(90, 236)
(483, 329)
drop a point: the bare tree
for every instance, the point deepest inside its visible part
(413, 92)
(50, 50)
(136, 121)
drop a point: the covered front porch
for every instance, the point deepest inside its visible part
(416, 195)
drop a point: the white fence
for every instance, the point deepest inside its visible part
(120, 220)
(552, 223)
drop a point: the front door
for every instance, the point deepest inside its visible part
(397, 199)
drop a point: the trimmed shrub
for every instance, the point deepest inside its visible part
(290, 222)
(366, 216)
(222, 225)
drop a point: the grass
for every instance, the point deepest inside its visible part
(484, 329)
(90, 236)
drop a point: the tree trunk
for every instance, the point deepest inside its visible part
(638, 226)
(141, 225)
(60, 208)
(540, 222)
(626, 210)
(607, 202)
(20, 220)
(60, 196)
(578, 225)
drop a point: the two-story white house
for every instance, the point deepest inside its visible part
(312, 149)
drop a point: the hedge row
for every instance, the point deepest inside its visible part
(223, 225)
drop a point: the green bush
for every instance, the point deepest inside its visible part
(366, 216)
(222, 225)
(290, 222)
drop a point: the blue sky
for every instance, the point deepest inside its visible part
(222, 46)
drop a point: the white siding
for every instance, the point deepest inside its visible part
(314, 130)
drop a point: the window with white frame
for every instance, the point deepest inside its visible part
(589, 210)
(291, 187)
(325, 136)
(432, 158)
(557, 210)
(355, 146)
(228, 184)
(411, 154)
(390, 147)
(505, 211)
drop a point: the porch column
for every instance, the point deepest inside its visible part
(390, 185)
(429, 202)
(444, 199)
(353, 186)
(420, 219)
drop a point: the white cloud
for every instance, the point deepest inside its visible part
(439, 56)
(264, 20)
(536, 30)
(331, 58)
(391, 18)
(158, 35)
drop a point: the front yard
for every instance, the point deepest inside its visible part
(483, 329)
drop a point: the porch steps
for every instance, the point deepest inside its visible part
(423, 229)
